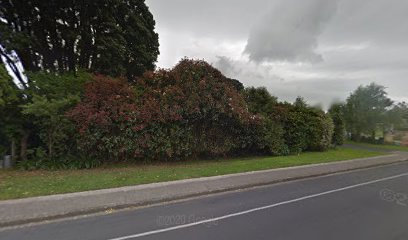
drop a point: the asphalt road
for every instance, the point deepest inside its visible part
(365, 204)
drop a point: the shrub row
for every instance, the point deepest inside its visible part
(192, 111)
(189, 111)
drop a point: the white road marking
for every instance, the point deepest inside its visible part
(255, 209)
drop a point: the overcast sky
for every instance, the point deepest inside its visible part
(319, 49)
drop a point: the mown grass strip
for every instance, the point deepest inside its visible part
(380, 146)
(20, 184)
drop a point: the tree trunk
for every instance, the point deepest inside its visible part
(50, 143)
(13, 149)
(23, 145)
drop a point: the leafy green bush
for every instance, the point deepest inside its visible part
(307, 128)
(321, 131)
(52, 125)
(261, 136)
(266, 133)
(50, 97)
(272, 138)
(296, 131)
(336, 112)
(260, 101)
(286, 128)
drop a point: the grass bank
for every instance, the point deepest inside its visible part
(21, 184)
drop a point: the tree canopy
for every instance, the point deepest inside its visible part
(397, 116)
(366, 107)
(10, 116)
(112, 37)
(8, 92)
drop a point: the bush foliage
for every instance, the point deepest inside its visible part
(336, 112)
(189, 111)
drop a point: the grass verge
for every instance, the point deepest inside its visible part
(20, 184)
(380, 146)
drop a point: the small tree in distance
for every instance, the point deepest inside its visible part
(365, 108)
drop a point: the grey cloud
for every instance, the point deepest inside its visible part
(227, 66)
(316, 91)
(383, 22)
(289, 31)
(360, 41)
(210, 18)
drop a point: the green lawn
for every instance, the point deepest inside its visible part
(380, 146)
(20, 184)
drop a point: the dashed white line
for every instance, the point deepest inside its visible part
(255, 209)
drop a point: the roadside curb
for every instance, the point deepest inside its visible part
(20, 211)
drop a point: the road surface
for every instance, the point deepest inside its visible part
(364, 204)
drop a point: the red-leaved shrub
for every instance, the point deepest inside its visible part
(191, 109)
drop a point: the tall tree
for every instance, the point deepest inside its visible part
(10, 116)
(366, 107)
(113, 37)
